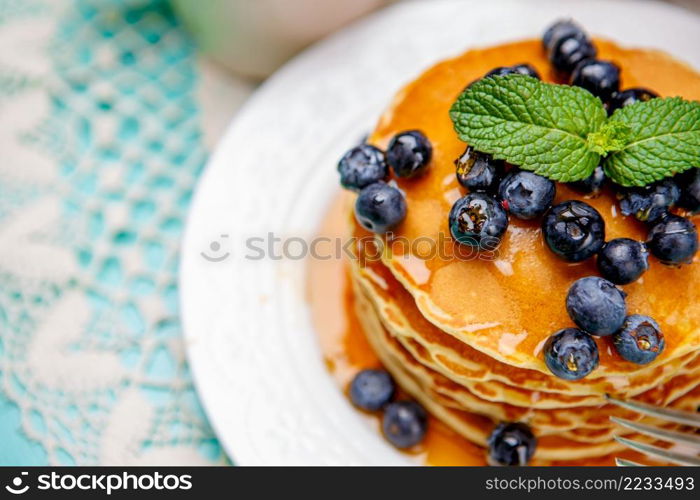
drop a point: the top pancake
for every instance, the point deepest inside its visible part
(506, 304)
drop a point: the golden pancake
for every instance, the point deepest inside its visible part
(464, 364)
(516, 299)
(547, 421)
(552, 446)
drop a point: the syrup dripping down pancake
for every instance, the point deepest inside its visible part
(584, 416)
(553, 445)
(466, 365)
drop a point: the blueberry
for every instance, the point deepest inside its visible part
(526, 195)
(569, 51)
(361, 166)
(527, 70)
(673, 240)
(518, 69)
(478, 220)
(372, 389)
(404, 423)
(574, 230)
(689, 183)
(380, 207)
(409, 153)
(511, 443)
(600, 78)
(571, 354)
(639, 340)
(477, 171)
(629, 96)
(623, 261)
(592, 184)
(560, 29)
(596, 305)
(649, 203)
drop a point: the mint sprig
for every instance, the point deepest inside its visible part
(563, 132)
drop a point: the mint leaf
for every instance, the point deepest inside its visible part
(562, 132)
(541, 127)
(664, 139)
(612, 136)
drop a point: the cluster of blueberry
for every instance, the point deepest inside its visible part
(573, 55)
(598, 308)
(480, 218)
(381, 206)
(404, 422)
(575, 231)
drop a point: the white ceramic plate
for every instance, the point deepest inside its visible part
(250, 342)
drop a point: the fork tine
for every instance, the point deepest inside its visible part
(686, 439)
(654, 451)
(677, 416)
(621, 462)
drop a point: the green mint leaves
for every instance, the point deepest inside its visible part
(664, 138)
(540, 127)
(562, 132)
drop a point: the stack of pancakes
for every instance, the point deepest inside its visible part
(463, 331)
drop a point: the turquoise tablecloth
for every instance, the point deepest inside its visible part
(101, 142)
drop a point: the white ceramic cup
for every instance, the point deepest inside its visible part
(254, 37)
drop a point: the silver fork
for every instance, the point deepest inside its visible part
(688, 441)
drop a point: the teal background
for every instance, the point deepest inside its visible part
(123, 136)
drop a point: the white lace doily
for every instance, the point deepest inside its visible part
(106, 118)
